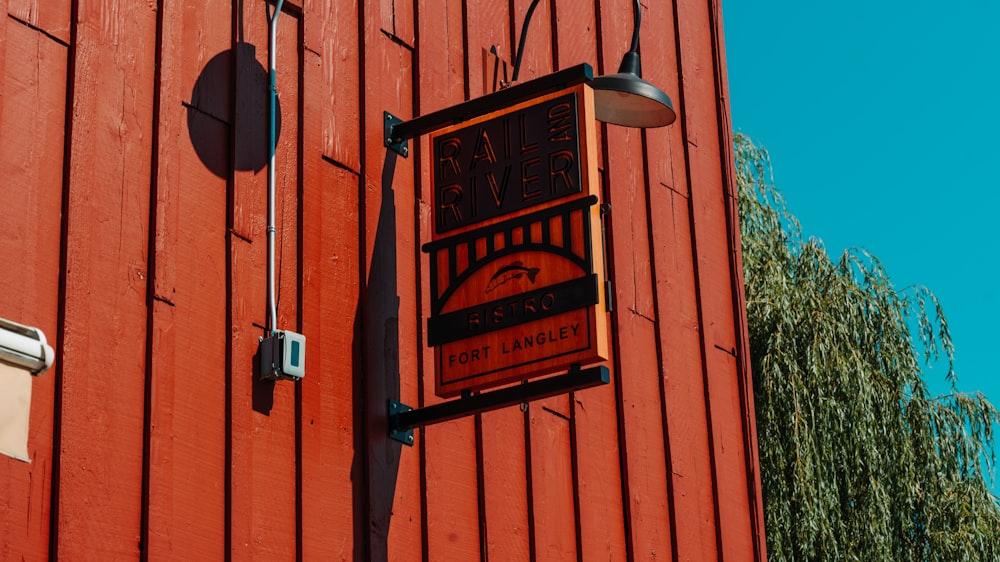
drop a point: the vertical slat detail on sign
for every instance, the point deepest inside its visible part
(103, 347)
(448, 450)
(714, 278)
(187, 417)
(32, 129)
(50, 16)
(263, 472)
(330, 277)
(645, 455)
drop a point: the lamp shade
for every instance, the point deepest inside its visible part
(625, 99)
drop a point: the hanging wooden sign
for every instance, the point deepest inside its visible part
(516, 261)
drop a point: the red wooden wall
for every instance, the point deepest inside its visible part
(132, 153)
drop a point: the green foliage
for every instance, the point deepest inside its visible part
(858, 461)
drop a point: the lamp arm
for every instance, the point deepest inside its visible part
(636, 16)
(524, 37)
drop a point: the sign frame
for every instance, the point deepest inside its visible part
(543, 309)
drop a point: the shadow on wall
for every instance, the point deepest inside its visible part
(378, 382)
(229, 116)
(241, 107)
(214, 100)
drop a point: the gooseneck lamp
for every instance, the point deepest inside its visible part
(625, 99)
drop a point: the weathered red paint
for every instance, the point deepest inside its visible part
(32, 80)
(104, 332)
(186, 433)
(138, 228)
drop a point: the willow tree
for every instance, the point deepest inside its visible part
(858, 460)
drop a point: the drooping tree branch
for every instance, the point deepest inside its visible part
(858, 461)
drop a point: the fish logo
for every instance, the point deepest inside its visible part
(508, 273)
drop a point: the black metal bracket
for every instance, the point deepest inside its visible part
(397, 131)
(402, 418)
(404, 436)
(398, 144)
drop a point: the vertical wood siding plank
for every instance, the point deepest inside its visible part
(329, 321)
(32, 129)
(684, 392)
(748, 412)
(734, 519)
(395, 20)
(574, 35)
(441, 59)
(404, 22)
(330, 290)
(665, 145)
(538, 56)
(714, 278)
(504, 485)
(287, 181)
(331, 32)
(389, 300)
(451, 486)
(553, 500)
(426, 366)
(594, 419)
(705, 156)
(452, 508)
(646, 483)
(186, 517)
(599, 488)
(406, 523)
(487, 25)
(684, 389)
(192, 111)
(51, 16)
(6, 21)
(263, 473)
(104, 351)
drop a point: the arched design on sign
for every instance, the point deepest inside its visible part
(530, 233)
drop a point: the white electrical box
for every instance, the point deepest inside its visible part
(283, 356)
(293, 355)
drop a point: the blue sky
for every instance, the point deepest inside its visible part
(881, 119)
